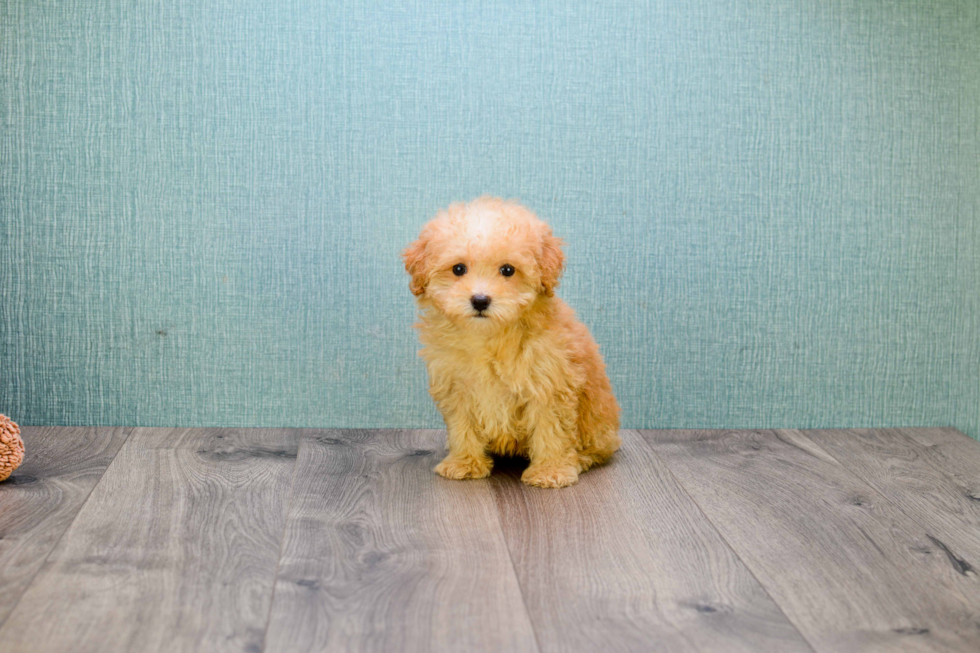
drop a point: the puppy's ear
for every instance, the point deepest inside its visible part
(552, 261)
(415, 257)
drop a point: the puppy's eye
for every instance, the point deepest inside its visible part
(459, 269)
(507, 270)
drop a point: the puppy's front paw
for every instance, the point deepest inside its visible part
(550, 475)
(460, 467)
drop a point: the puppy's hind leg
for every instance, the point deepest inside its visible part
(599, 452)
(598, 423)
(467, 452)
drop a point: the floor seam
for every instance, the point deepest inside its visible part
(899, 506)
(71, 523)
(282, 541)
(513, 566)
(724, 539)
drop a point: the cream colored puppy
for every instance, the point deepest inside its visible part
(510, 367)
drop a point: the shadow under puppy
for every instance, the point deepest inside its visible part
(510, 367)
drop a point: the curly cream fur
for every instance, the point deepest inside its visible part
(525, 380)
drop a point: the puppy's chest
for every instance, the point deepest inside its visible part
(497, 379)
(496, 400)
(492, 378)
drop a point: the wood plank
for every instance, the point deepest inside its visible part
(849, 569)
(935, 488)
(39, 501)
(625, 561)
(382, 554)
(956, 453)
(175, 549)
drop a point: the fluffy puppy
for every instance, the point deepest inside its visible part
(510, 367)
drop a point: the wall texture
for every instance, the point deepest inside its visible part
(771, 207)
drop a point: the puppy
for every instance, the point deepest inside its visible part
(512, 370)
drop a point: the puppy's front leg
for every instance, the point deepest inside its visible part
(467, 453)
(551, 447)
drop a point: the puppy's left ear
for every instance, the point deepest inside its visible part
(552, 261)
(415, 258)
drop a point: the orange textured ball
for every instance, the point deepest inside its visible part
(11, 447)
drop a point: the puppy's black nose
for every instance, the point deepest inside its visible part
(480, 302)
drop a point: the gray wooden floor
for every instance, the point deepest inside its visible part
(153, 539)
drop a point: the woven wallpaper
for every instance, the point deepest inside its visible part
(770, 207)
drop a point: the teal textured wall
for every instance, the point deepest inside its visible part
(771, 207)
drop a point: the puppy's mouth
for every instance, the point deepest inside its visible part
(481, 314)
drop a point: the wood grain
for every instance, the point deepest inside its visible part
(849, 569)
(39, 501)
(382, 554)
(175, 549)
(936, 484)
(954, 453)
(625, 561)
(688, 541)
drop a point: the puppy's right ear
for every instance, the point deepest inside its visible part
(552, 261)
(415, 258)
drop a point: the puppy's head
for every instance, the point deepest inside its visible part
(484, 263)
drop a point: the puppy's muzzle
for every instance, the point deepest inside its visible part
(480, 303)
